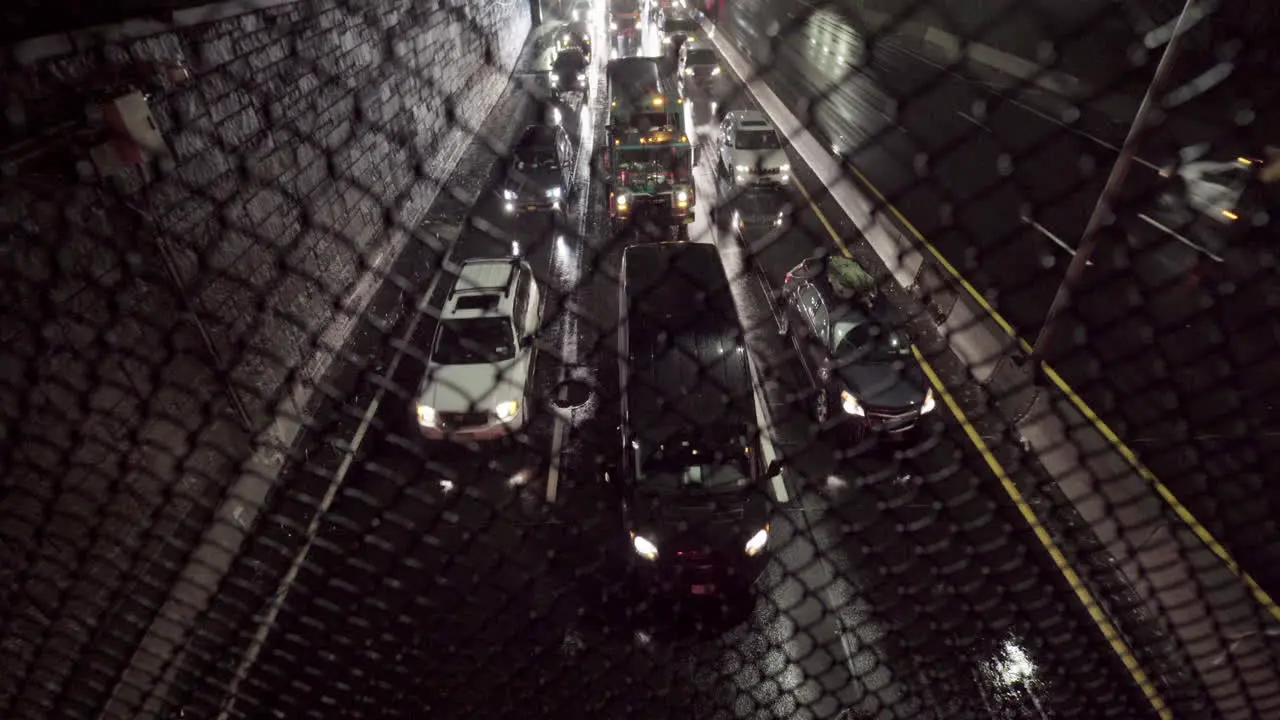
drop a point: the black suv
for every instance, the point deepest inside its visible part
(851, 343)
(539, 174)
(691, 475)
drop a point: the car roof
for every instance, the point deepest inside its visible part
(482, 289)
(698, 45)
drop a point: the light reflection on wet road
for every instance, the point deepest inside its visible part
(451, 583)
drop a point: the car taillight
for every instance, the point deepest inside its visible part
(624, 177)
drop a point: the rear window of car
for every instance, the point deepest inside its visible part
(700, 57)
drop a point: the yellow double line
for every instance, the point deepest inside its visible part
(1086, 598)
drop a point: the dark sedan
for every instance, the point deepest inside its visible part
(569, 71)
(851, 342)
(538, 177)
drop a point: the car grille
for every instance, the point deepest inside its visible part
(894, 421)
(766, 171)
(463, 419)
(653, 203)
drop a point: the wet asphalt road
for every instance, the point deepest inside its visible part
(454, 581)
(1171, 339)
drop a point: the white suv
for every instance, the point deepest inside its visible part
(477, 382)
(751, 150)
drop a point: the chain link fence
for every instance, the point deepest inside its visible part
(333, 390)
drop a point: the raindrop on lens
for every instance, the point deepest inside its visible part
(1004, 164)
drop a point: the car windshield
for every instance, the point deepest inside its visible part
(663, 160)
(536, 159)
(679, 465)
(758, 140)
(474, 341)
(700, 57)
(868, 342)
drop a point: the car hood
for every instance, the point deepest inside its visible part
(467, 388)
(533, 183)
(703, 522)
(759, 158)
(885, 385)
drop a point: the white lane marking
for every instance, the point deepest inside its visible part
(972, 119)
(1176, 235)
(263, 631)
(553, 473)
(1052, 238)
(572, 276)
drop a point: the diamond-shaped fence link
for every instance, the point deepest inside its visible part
(897, 359)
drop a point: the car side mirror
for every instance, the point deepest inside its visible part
(774, 469)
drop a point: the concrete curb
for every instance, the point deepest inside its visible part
(1196, 594)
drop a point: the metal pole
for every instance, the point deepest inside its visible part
(1089, 240)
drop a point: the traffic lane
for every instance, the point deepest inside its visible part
(877, 671)
(409, 509)
(489, 480)
(958, 479)
(778, 646)
(908, 508)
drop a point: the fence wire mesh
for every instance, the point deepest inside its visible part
(360, 359)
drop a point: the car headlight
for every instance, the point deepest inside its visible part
(666, 41)
(715, 70)
(742, 168)
(582, 77)
(426, 416)
(555, 79)
(682, 196)
(929, 404)
(757, 542)
(622, 201)
(507, 410)
(553, 192)
(508, 194)
(644, 547)
(786, 167)
(688, 71)
(777, 222)
(851, 404)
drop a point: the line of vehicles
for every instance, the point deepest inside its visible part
(689, 471)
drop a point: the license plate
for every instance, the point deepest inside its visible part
(530, 207)
(707, 589)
